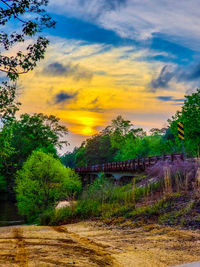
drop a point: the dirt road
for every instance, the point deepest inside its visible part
(88, 244)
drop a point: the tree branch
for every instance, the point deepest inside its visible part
(19, 73)
(5, 2)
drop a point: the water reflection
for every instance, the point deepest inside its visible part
(8, 212)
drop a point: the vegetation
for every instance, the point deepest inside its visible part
(117, 142)
(19, 138)
(122, 141)
(190, 117)
(28, 156)
(41, 182)
(167, 200)
(15, 11)
(29, 160)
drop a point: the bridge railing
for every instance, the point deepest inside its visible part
(130, 165)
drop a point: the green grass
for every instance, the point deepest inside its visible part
(100, 200)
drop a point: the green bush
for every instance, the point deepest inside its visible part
(88, 208)
(41, 182)
(55, 217)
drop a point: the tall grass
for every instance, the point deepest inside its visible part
(176, 176)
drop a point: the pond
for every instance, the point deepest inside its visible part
(8, 212)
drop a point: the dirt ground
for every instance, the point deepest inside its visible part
(90, 244)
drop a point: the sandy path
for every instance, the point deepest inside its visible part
(87, 244)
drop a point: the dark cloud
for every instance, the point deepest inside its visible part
(69, 70)
(189, 73)
(192, 74)
(179, 100)
(94, 109)
(94, 101)
(63, 96)
(55, 69)
(170, 99)
(165, 98)
(163, 79)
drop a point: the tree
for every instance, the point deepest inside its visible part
(13, 12)
(25, 135)
(120, 126)
(80, 158)
(37, 131)
(69, 159)
(98, 150)
(6, 153)
(190, 117)
(156, 131)
(41, 182)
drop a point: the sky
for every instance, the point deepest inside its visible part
(135, 58)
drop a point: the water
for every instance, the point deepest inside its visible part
(8, 212)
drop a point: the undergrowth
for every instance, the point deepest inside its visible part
(178, 200)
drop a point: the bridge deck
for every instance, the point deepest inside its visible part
(129, 165)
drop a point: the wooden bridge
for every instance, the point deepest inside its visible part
(127, 167)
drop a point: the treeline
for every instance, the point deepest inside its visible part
(122, 141)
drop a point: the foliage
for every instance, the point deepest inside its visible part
(144, 202)
(6, 153)
(98, 150)
(20, 137)
(41, 182)
(15, 13)
(190, 117)
(8, 106)
(3, 186)
(5, 143)
(100, 200)
(36, 131)
(120, 141)
(69, 160)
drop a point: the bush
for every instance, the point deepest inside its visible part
(55, 217)
(41, 182)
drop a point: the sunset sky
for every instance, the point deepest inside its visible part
(115, 57)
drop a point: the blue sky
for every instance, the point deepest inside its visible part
(169, 30)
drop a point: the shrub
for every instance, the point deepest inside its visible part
(41, 182)
(55, 217)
